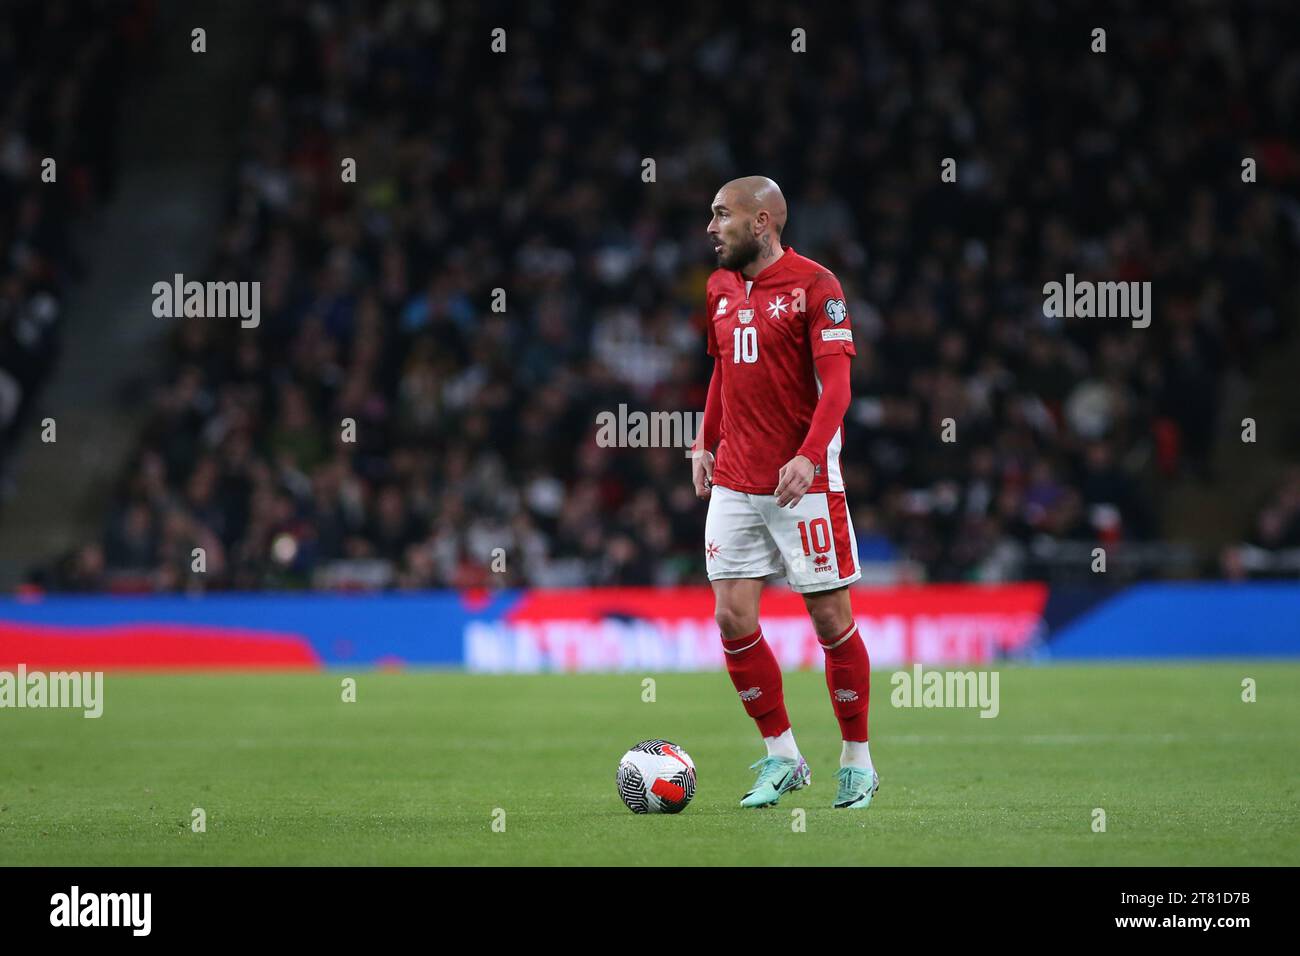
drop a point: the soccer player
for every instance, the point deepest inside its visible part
(781, 342)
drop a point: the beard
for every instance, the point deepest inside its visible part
(740, 253)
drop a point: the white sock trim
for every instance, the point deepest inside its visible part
(830, 647)
(745, 648)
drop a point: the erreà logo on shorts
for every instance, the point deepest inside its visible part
(103, 909)
(179, 299)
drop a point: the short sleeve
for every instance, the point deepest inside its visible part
(830, 331)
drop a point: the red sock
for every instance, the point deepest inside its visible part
(848, 677)
(757, 678)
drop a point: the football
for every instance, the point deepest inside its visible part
(656, 776)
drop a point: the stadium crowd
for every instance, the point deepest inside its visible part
(61, 66)
(522, 171)
(1271, 549)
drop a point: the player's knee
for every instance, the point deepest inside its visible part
(734, 622)
(829, 617)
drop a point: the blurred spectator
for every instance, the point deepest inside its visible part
(1272, 548)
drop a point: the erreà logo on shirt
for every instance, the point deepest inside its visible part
(722, 306)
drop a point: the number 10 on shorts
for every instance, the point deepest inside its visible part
(820, 534)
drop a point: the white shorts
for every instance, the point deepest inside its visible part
(812, 544)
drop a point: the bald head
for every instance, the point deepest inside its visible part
(748, 217)
(757, 194)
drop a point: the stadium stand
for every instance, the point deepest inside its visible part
(475, 428)
(59, 90)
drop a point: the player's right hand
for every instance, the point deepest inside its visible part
(702, 472)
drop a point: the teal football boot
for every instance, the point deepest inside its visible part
(857, 787)
(776, 775)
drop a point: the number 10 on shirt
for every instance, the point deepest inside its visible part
(745, 340)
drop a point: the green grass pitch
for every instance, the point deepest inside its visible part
(414, 770)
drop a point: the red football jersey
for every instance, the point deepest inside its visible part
(765, 335)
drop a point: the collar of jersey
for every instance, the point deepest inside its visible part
(773, 270)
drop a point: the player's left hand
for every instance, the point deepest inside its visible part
(793, 480)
